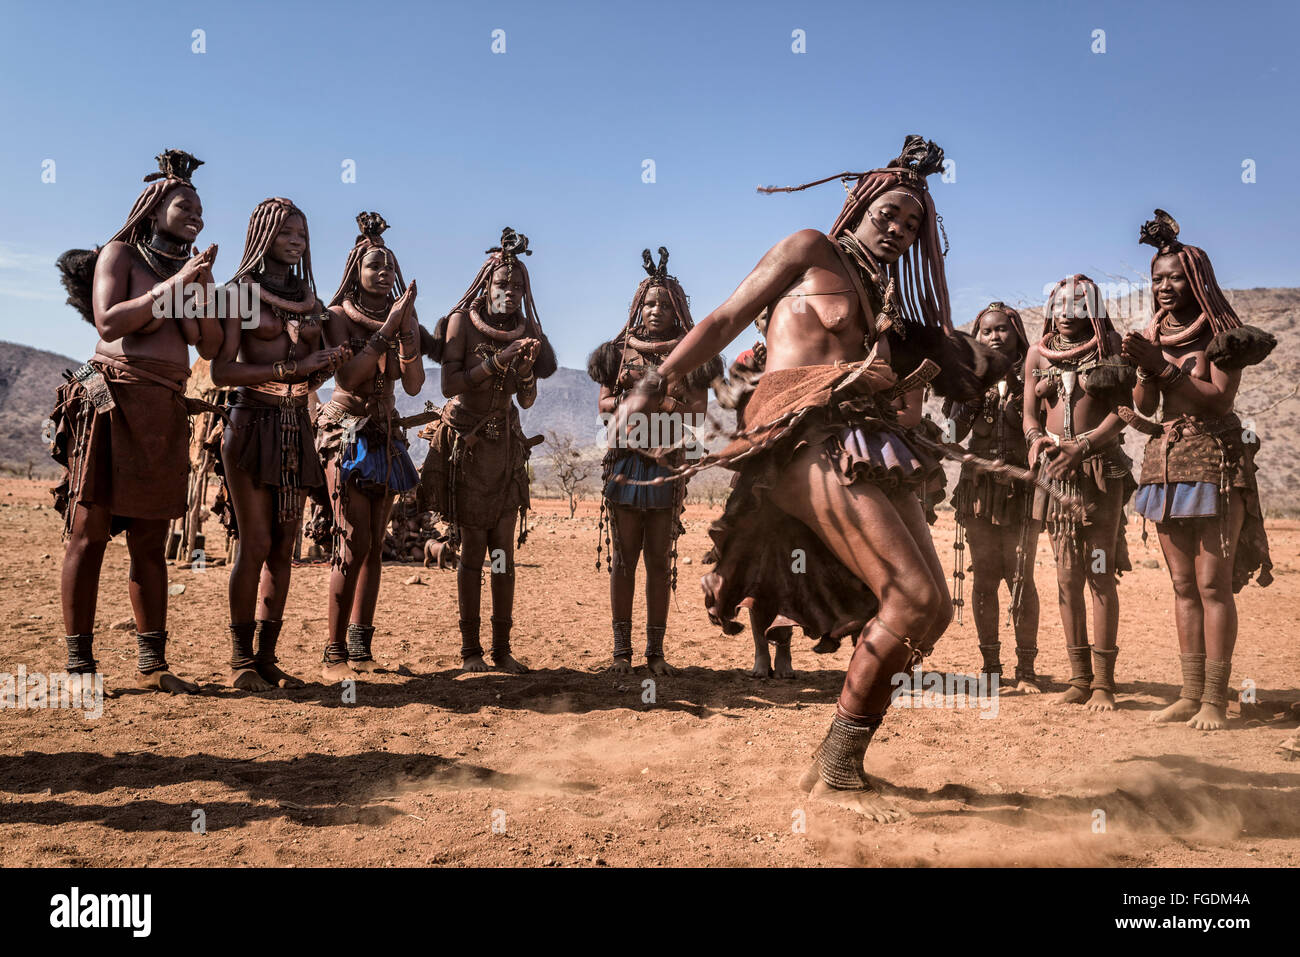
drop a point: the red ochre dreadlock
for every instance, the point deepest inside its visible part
(508, 254)
(77, 266)
(263, 226)
(1235, 344)
(918, 274)
(1094, 309)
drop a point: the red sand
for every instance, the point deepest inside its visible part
(573, 767)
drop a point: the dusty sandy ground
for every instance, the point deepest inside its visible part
(569, 766)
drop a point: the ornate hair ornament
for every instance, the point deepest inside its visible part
(372, 228)
(920, 158)
(1161, 232)
(175, 164)
(658, 273)
(513, 245)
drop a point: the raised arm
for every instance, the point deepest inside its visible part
(776, 271)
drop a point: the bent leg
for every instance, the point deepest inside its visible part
(865, 531)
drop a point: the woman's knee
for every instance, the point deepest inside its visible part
(1215, 591)
(915, 607)
(254, 545)
(657, 563)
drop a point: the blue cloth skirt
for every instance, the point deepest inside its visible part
(1161, 503)
(368, 465)
(638, 468)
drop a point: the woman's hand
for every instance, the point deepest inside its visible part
(1065, 462)
(327, 360)
(1042, 447)
(628, 378)
(1143, 353)
(528, 350)
(199, 268)
(401, 309)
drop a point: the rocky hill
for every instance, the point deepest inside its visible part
(28, 380)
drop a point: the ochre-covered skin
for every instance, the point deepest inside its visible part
(1203, 441)
(492, 351)
(373, 314)
(997, 518)
(875, 533)
(658, 318)
(1089, 550)
(127, 467)
(268, 454)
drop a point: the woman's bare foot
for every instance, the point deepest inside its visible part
(509, 664)
(474, 663)
(338, 671)
(1027, 686)
(622, 665)
(1290, 748)
(247, 679)
(659, 665)
(1075, 696)
(165, 681)
(278, 678)
(1211, 717)
(866, 801)
(783, 665)
(826, 646)
(1180, 710)
(369, 666)
(1101, 701)
(762, 662)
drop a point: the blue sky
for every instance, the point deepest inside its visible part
(1060, 152)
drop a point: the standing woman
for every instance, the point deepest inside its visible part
(363, 449)
(646, 519)
(268, 454)
(492, 351)
(1198, 472)
(994, 514)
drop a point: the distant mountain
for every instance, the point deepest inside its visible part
(28, 380)
(566, 402)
